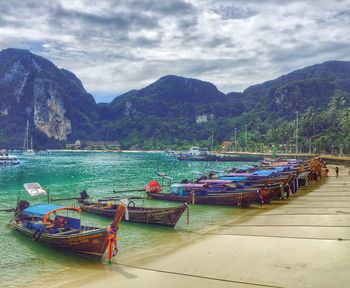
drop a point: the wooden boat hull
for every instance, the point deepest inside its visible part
(90, 243)
(230, 199)
(158, 216)
(269, 194)
(264, 180)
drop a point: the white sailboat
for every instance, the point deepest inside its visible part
(28, 149)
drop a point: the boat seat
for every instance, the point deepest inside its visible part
(72, 231)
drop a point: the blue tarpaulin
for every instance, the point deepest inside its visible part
(263, 172)
(281, 169)
(233, 178)
(41, 210)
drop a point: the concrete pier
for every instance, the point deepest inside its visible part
(300, 242)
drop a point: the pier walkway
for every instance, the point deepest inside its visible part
(302, 242)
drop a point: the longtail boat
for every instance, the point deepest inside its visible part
(45, 224)
(167, 216)
(231, 199)
(232, 189)
(269, 190)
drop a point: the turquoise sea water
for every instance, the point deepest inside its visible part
(26, 263)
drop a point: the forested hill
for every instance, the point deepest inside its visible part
(173, 111)
(174, 96)
(312, 86)
(320, 94)
(179, 111)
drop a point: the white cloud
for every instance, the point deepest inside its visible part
(115, 46)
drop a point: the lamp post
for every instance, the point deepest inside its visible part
(246, 134)
(235, 139)
(297, 132)
(310, 151)
(212, 140)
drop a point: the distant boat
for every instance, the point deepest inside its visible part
(28, 145)
(195, 154)
(8, 160)
(171, 153)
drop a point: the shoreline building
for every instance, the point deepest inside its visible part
(94, 145)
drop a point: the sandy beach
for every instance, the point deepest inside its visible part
(301, 242)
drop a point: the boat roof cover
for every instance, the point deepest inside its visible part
(233, 178)
(44, 210)
(239, 175)
(282, 168)
(187, 185)
(41, 209)
(263, 172)
(215, 181)
(245, 167)
(34, 189)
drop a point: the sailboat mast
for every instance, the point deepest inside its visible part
(27, 134)
(25, 142)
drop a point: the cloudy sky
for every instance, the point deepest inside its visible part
(115, 46)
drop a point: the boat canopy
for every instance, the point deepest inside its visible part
(245, 168)
(233, 178)
(44, 210)
(239, 175)
(215, 181)
(264, 172)
(34, 189)
(192, 186)
(282, 168)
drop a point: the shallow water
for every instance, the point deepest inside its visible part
(26, 263)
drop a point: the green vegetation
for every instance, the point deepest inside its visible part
(176, 112)
(319, 93)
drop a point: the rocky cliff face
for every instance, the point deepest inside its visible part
(49, 111)
(52, 99)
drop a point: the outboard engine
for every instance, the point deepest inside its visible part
(84, 195)
(21, 205)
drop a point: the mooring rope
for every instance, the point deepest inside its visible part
(199, 276)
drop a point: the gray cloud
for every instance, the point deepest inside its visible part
(111, 20)
(167, 8)
(115, 46)
(234, 12)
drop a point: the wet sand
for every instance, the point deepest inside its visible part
(300, 242)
